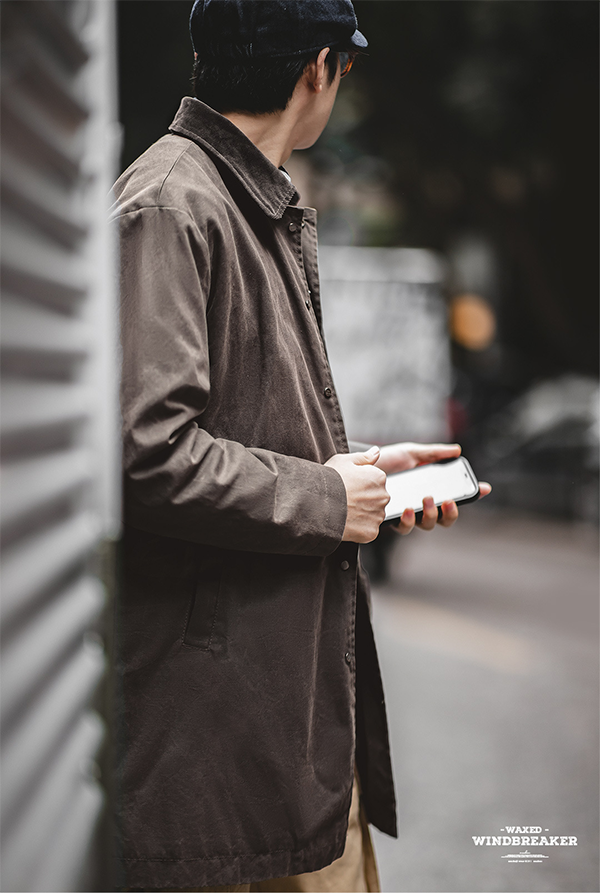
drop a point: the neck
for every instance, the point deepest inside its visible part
(273, 134)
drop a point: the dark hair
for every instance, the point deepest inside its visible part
(255, 86)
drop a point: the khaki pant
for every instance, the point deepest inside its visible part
(354, 872)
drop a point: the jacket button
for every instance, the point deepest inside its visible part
(292, 227)
(328, 392)
(307, 305)
(347, 657)
(345, 565)
(303, 224)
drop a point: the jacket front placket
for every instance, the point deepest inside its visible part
(300, 226)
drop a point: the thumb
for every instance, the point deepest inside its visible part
(368, 458)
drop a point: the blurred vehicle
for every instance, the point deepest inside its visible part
(542, 450)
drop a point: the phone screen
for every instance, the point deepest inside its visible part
(444, 481)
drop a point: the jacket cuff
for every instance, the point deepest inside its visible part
(336, 509)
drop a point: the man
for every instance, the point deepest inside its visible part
(250, 697)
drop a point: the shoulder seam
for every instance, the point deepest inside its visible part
(161, 208)
(167, 175)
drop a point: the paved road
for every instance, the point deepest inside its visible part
(488, 638)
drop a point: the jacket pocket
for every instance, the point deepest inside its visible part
(201, 625)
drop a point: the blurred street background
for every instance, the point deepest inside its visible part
(488, 642)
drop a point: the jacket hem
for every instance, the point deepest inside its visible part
(246, 868)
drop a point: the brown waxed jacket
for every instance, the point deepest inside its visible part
(248, 680)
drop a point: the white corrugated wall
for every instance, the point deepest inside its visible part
(60, 482)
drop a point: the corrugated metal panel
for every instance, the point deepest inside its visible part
(59, 456)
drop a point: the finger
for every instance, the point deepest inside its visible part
(430, 514)
(369, 458)
(484, 489)
(433, 452)
(449, 514)
(406, 523)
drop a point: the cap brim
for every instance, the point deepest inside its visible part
(359, 40)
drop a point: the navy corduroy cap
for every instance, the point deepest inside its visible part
(272, 28)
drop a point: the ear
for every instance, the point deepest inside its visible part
(315, 71)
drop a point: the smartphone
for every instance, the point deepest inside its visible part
(451, 479)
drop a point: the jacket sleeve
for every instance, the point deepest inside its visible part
(179, 481)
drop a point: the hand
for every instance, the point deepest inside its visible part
(402, 456)
(365, 492)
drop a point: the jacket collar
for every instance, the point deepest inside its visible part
(271, 189)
